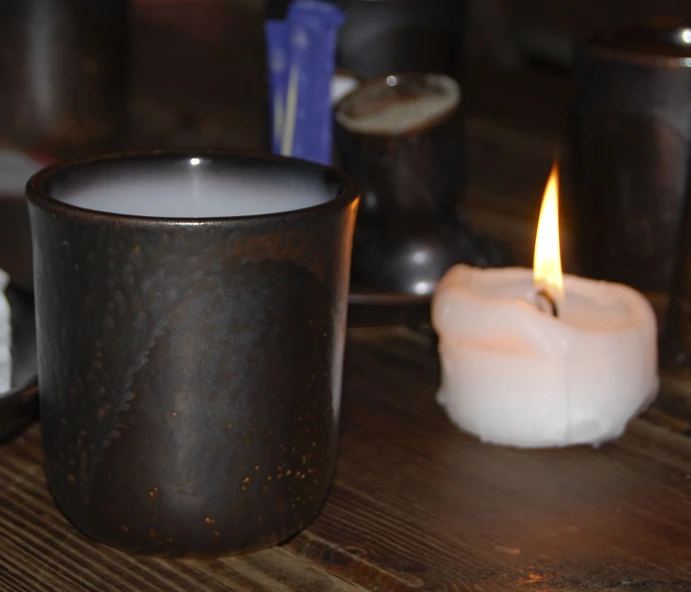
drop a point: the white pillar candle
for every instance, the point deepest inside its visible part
(514, 374)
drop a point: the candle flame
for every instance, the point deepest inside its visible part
(547, 273)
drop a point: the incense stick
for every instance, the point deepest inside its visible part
(290, 112)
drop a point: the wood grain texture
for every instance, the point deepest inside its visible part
(416, 505)
(40, 551)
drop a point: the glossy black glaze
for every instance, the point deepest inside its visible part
(63, 74)
(411, 226)
(190, 370)
(631, 138)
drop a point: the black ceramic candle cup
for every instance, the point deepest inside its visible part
(402, 138)
(632, 134)
(675, 336)
(64, 71)
(190, 368)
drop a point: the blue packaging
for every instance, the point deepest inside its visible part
(276, 35)
(313, 32)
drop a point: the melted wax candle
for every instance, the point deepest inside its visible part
(515, 374)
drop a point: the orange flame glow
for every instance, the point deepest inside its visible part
(547, 273)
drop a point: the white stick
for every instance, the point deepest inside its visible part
(278, 119)
(290, 112)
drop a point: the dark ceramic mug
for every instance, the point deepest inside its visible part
(631, 138)
(402, 137)
(190, 367)
(64, 73)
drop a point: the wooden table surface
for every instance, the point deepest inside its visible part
(416, 505)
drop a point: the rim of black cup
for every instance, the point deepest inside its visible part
(395, 80)
(663, 42)
(38, 194)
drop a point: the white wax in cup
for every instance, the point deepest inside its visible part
(369, 112)
(514, 375)
(194, 195)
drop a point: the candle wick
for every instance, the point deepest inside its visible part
(542, 293)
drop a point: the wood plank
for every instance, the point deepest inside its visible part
(439, 508)
(40, 550)
(416, 505)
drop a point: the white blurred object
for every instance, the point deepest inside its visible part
(341, 85)
(15, 170)
(5, 336)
